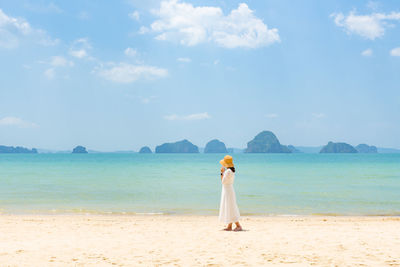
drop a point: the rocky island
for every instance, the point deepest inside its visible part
(293, 149)
(79, 150)
(266, 142)
(215, 146)
(332, 147)
(183, 146)
(364, 148)
(18, 149)
(145, 150)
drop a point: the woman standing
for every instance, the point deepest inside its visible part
(228, 210)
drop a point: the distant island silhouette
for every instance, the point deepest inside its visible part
(264, 142)
(145, 150)
(79, 150)
(215, 146)
(183, 146)
(363, 148)
(18, 149)
(338, 148)
(293, 149)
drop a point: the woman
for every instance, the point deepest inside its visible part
(228, 210)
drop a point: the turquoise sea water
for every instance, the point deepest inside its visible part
(270, 184)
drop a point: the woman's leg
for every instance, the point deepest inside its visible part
(238, 227)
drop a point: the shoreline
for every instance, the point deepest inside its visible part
(193, 240)
(177, 214)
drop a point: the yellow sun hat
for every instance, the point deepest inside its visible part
(227, 162)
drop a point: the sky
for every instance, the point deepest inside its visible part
(118, 75)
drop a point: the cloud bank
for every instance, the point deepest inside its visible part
(130, 52)
(395, 52)
(18, 122)
(184, 59)
(367, 26)
(367, 52)
(189, 25)
(12, 30)
(80, 48)
(128, 73)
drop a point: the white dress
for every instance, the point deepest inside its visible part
(228, 209)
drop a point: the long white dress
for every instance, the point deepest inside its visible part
(228, 209)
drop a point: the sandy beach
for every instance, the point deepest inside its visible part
(97, 240)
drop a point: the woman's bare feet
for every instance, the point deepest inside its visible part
(228, 228)
(238, 227)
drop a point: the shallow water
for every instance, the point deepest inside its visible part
(274, 184)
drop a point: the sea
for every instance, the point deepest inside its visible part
(190, 184)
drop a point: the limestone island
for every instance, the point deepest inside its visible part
(183, 146)
(145, 150)
(293, 149)
(79, 150)
(364, 148)
(215, 146)
(266, 142)
(18, 149)
(332, 147)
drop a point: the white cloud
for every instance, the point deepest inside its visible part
(367, 52)
(135, 15)
(80, 47)
(368, 26)
(59, 61)
(50, 73)
(271, 115)
(395, 52)
(127, 73)
(18, 122)
(18, 24)
(13, 30)
(143, 30)
(54, 63)
(46, 40)
(189, 25)
(130, 52)
(172, 117)
(81, 53)
(184, 59)
(191, 117)
(318, 115)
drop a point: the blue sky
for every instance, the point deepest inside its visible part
(117, 75)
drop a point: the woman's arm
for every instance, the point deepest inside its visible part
(222, 172)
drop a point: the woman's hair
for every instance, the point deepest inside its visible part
(232, 169)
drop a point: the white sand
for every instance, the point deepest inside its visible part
(79, 240)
